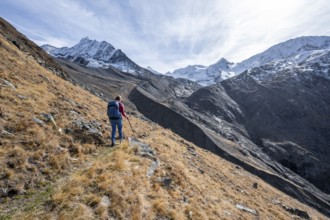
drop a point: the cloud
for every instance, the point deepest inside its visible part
(171, 34)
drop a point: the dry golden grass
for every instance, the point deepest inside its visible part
(85, 181)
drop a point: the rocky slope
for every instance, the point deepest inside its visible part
(285, 113)
(56, 163)
(286, 55)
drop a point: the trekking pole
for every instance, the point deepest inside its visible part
(130, 125)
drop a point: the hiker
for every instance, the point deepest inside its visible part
(115, 112)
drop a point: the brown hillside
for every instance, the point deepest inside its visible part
(61, 167)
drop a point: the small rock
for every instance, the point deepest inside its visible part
(246, 209)
(22, 97)
(154, 165)
(82, 107)
(227, 213)
(49, 118)
(105, 201)
(297, 212)
(9, 84)
(38, 121)
(74, 113)
(166, 181)
(144, 150)
(71, 102)
(45, 78)
(192, 150)
(200, 170)
(68, 131)
(6, 133)
(255, 185)
(87, 132)
(275, 201)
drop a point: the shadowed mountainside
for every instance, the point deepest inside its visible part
(254, 162)
(288, 119)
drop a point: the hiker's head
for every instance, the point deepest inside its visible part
(118, 98)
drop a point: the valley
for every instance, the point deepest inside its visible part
(242, 142)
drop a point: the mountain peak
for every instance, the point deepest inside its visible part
(96, 54)
(285, 55)
(222, 60)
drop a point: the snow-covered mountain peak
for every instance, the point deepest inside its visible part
(49, 48)
(93, 53)
(295, 49)
(288, 54)
(222, 61)
(84, 39)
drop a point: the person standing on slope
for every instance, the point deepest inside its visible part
(115, 112)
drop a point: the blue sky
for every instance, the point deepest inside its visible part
(170, 34)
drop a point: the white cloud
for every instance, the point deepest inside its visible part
(171, 34)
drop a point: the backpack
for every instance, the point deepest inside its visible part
(113, 110)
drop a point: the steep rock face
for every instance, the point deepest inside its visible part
(214, 101)
(92, 53)
(287, 115)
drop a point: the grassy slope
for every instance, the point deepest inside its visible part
(56, 175)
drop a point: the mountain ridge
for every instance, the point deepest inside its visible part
(93, 53)
(289, 53)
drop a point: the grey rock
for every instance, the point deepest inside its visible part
(6, 133)
(8, 84)
(297, 212)
(38, 121)
(144, 150)
(246, 209)
(201, 170)
(74, 113)
(87, 132)
(68, 131)
(152, 168)
(105, 201)
(192, 150)
(49, 119)
(166, 182)
(22, 97)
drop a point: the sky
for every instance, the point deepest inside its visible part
(171, 34)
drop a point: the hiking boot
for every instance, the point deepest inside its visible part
(114, 144)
